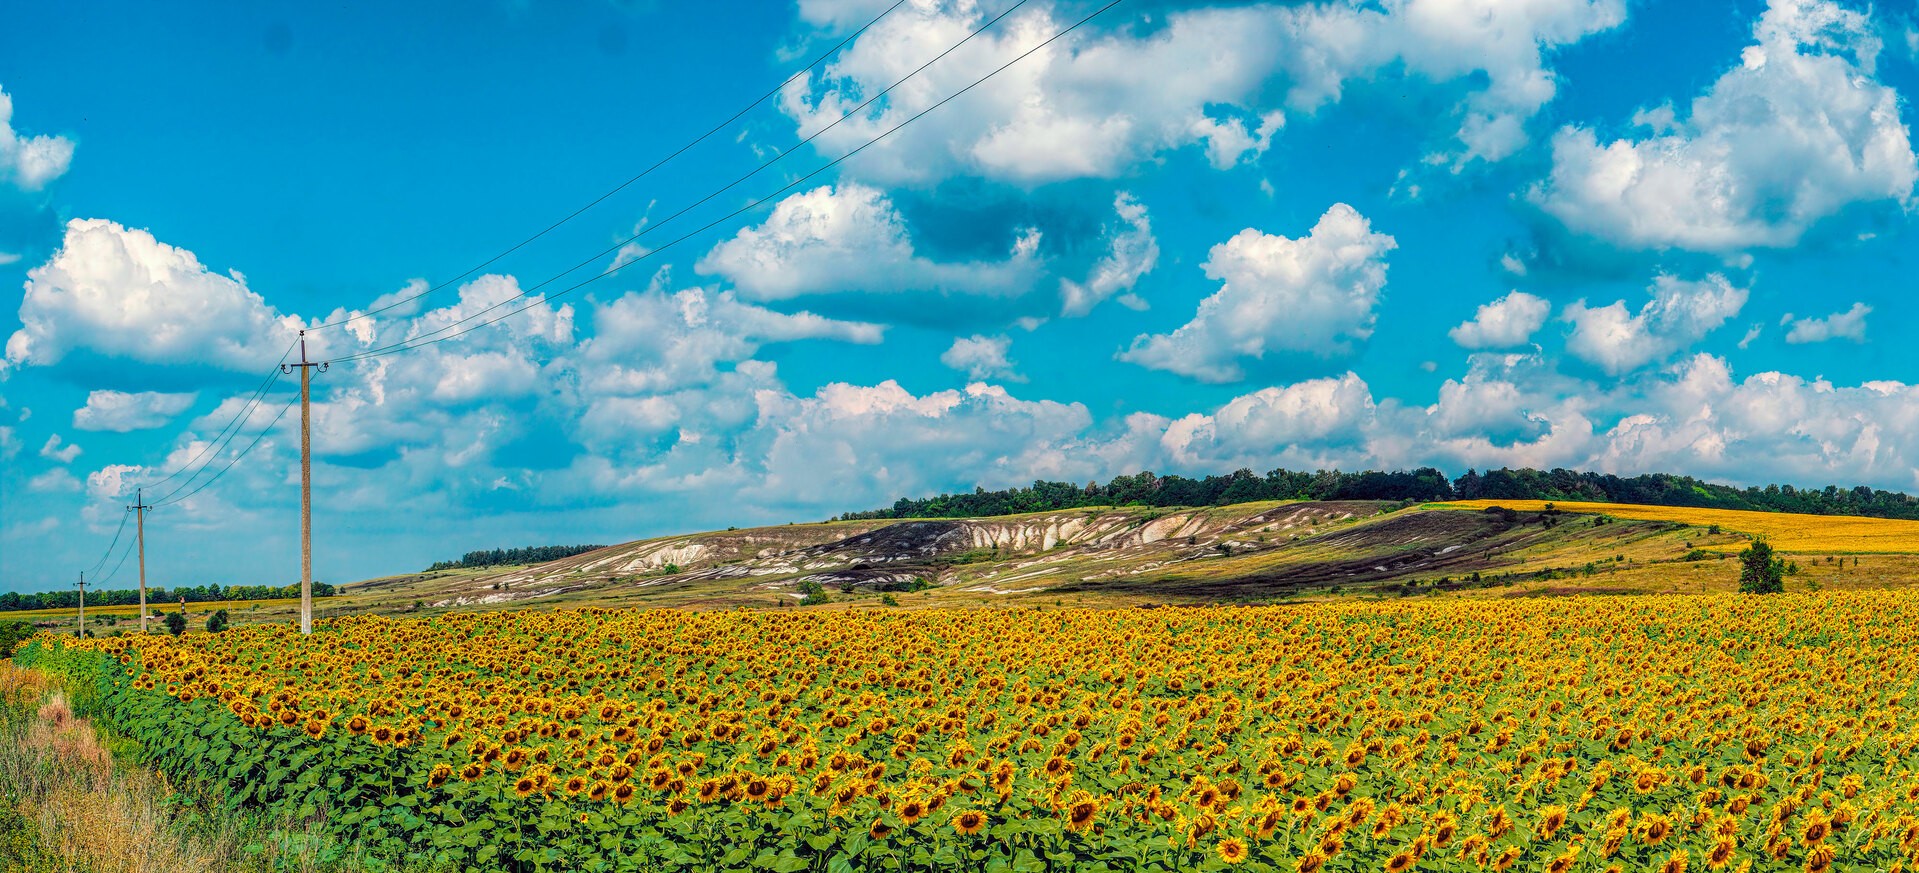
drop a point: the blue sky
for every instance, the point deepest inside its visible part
(1623, 236)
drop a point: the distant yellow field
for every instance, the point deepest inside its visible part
(156, 607)
(1786, 531)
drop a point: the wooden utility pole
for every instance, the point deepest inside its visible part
(306, 482)
(82, 632)
(140, 508)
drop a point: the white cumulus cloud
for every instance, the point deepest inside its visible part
(119, 292)
(29, 162)
(1504, 323)
(1679, 314)
(1312, 294)
(851, 239)
(1849, 325)
(654, 340)
(121, 411)
(1797, 131)
(54, 450)
(1133, 253)
(981, 357)
(1095, 105)
(1316, 423)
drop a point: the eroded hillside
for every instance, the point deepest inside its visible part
(1255, 552)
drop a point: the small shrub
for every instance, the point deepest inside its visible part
(176, 623)
(889, 600)
(217, 622)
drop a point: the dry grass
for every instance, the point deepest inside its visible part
(1824, 534)
(87, 812)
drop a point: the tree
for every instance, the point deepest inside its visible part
(1759, 571)
(176, 623)
(217, 622)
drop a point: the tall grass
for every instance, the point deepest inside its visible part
(72, 806)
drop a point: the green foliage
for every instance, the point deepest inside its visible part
(217, 622)
(1759, 571)
(889, 600)
(12, 601)
(176, 623)
(524, 555)
(814, 594)
(12, 634)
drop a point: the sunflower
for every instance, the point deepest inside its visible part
(1819, 858)
(1818, 827)
(439, 775)
(623, 792)
(574, 784)
(599, 791)
(879, 830)
(315, 728)
(357, 725)
(383, 735)
(969, 822)
(1562, 863)
(757, 789)
(1720, 855)
(1551, 819)
(1080, 815)
(1399, 863)
(471, 772)
(1311, 862)
(1231, 850)
(912, 811)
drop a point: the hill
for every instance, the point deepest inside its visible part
(1243, 553)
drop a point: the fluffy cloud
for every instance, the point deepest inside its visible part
(1509, 321)
(1703, 420)
(1317, 423)
(1679, 314)
(1850, 325)
(1133, 254)
(29, 162)
(120, 411)
(1797, 131)
(1099, 104)
(981, 357)
(871, 443)
(852, 239)
(658, 341)
(52, 450)
(119, 292)
(1311, 294)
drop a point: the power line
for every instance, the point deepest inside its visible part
(116, 567)
(236, 458)
(623, 185)
(415, 342)
(245, 412)
(228, 433)
(109, 553)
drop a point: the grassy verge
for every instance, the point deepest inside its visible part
(71, 804)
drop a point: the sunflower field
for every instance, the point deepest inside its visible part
(1629, 733)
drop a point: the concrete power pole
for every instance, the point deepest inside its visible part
(140, 508)
(82, 632)
(306, 481)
